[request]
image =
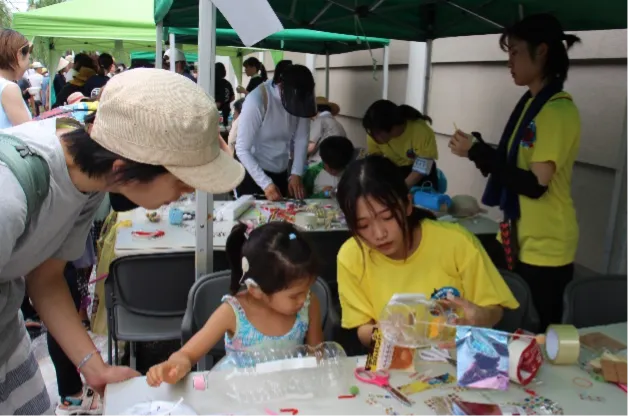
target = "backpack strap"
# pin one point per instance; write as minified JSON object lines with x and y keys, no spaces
{"x":264,"y":96}
{"x":29,"y":168}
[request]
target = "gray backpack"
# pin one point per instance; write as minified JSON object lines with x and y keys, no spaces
{"x":29,"y":168}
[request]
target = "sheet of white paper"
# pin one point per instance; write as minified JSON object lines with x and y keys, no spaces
{"x":253,"y":20}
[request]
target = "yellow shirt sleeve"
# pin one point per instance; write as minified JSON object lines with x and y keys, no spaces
{"x":482,"y":283}
{"x":425,"y":143}
{"x":371,"y":146}
{"x":356,"y":308}
{"x":556,"y":124}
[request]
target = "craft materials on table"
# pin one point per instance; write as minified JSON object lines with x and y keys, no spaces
{"x":525,"y":358}
{"x":232,"y":211}
{"x":426,"y":384}
{"x":176,"y":216}
{"x":384,"y":355}
{"x":153,"y":216}
{"x":539,"y":405}
{"x":562,"y":344}
{"x":381,"y":378}
{"x":148,"y":234}
{"x":482,"y":358}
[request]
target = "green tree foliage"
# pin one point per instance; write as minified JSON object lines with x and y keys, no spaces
{"x":5,"y":14}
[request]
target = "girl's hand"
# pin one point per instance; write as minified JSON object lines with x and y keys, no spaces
{"x":473,"y":314}
{"x":241,"y":90}
{"x":460,"y":143}
{"x":170,"y":371}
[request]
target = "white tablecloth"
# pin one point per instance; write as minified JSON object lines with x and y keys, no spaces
{"x":179,"y":238}
{"x":556,"y":384}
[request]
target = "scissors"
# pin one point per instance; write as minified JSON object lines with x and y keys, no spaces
{"x":380,"y":378}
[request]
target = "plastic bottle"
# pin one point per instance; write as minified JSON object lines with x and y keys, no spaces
{"x":276,"y":373}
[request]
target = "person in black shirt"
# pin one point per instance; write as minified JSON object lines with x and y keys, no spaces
{"x":60,"y":76}
{"x":93,"y":86}
{"x":85,"y":67}
{"x":257,"y":73}
{"x":224,"y":93}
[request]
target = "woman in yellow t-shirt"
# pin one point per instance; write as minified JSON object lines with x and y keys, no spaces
{"x":403,"y":135}
{"x":397,"y":248}
{"x":532,"y":168}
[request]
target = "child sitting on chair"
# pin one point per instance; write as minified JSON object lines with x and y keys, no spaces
{"x":321,"y":179}
{"x":272,"y":270}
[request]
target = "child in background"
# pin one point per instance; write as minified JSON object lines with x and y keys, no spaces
{"x":272,"y":270}
{"x":321,"y":179}
{"x":397,"y":248}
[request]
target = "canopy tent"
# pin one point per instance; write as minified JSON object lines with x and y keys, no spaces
{"x":413,"y":20}
{"x":294,"y":40}
{"x":82,"y":24}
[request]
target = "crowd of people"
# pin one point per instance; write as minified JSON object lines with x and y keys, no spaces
{"x":284,"y":141}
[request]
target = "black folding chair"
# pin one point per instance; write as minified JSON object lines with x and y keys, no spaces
{"x":525,"y":316}
{"x":146,"y":297}
{"x":594,"y":301}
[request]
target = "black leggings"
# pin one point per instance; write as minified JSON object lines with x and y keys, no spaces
{"x":68,"y":379}
{"x":547,"y":285}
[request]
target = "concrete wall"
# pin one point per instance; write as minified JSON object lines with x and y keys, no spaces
{"x":471,"y":87}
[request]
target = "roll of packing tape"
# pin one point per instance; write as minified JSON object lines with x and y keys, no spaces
{"x":562,"y":344}
{"x":525,"y":360}
{"x":306,"y":220}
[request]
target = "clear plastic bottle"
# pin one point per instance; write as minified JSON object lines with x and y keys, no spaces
{"x":278,"y":372}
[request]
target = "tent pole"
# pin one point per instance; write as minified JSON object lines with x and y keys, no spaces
{"x":172,"y":52}
{"x":51,"y":73}
{"x":385,"y":66}
{"x":158,"y":61}
{"x":616,"y":259}
{"x":327,"y":75}
{"x":427,"y":77}
{"x":204,"y":201}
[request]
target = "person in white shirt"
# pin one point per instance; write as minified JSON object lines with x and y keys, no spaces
{"x":273,"y":115}
{"x":323,"y":126}
{"x":36,"y":79}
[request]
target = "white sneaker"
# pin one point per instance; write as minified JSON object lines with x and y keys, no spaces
{"x":88,"y":404}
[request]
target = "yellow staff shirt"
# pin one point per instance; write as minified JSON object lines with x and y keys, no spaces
{"x":449,"y":259}
{"x":547,"y":229}
{"x":418,"y":140}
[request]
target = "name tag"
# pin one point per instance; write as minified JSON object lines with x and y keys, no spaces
{"x":423,"y":165}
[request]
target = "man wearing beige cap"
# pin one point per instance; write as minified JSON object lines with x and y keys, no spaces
{"x":53,"y":181}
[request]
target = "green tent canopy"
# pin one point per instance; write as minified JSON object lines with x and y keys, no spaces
{"x":413,"y":20}
{"x":91,"y":24}
{"x":294,"y":40}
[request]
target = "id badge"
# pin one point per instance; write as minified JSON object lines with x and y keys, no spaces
{"x":423,"y":165}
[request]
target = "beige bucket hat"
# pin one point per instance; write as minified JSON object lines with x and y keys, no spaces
{"x":159,"y":117}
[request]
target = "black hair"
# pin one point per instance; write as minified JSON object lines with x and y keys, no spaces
{"x":299,"y":77}
{"x":383,"y":115}
{"x":220,"y":71}
{"x":323,"y":108}
{"x":277,"y":254}
{"x":238,"y":104}
{"x":278,"y":70}
{"x":105,"y":62}
{"x":84,"y":60}
{"x":379,"y":178}
{"x":253,"y":62}
{"x":336,"y":152}
{"x":96,"y":161}
{"x":540,"y":29}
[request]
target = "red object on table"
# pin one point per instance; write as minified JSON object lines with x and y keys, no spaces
{"x":292,"y":410}
{"x":530,"y":361}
